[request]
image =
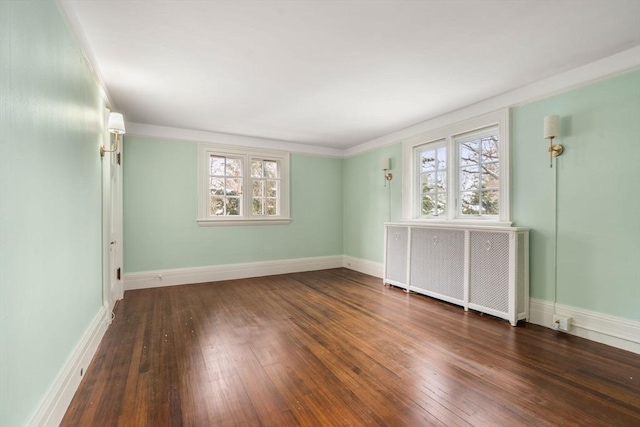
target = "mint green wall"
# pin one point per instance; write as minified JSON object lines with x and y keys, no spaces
{"x":368,"y":203}
{"x":50,"y":202}
{"x":598,"y":195}
{"x":160,"y":210}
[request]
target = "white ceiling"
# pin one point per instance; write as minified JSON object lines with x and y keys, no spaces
{"x":334,"y":73}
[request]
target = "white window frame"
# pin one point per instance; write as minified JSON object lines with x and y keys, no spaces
{"x":205,"y":151}
{"x":411,"y":200}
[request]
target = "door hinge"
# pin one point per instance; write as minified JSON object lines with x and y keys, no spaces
{"x":118,"y":273}
{"x":118,"y":158}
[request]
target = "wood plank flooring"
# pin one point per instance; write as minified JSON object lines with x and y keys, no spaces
{"x":336,"y":348}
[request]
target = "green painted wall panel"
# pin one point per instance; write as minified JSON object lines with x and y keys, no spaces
{"x":160,"y":211}
{"x":50,"y":202}
{"x":598,"y":180}
{"x":368,"y":203}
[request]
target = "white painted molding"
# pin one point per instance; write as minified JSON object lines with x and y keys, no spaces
{"x":73,"y":24}
{"x":610,"y":330}
{"x":54,"y":404}
{"x":163,"y":132}
{"x":214,"y":273}
{"x":619,"y":63}
{"x":365,"y":266}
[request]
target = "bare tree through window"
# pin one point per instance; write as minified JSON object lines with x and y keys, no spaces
{"x":480,"y":175}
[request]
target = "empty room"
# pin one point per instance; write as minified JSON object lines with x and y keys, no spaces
{"x":319,"y":213}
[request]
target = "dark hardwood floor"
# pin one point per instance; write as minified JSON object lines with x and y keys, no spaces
{"x":336,"y":348}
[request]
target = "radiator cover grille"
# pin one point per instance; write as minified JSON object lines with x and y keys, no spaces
{"x":437,"y":261}
{"x":489,"y":270}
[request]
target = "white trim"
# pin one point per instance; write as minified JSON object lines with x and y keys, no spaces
{"x":214,"y":273}
{"x":73,"y":23}
{"x":365,"y":266}
{"x":55,"y":402}
{"x":610,"y":330}
{"x":239,"y":221}
{"x":449,"y":135}
{"x":189,"y":135}
{"x":246,"y":217}
{"x":619,"y":63}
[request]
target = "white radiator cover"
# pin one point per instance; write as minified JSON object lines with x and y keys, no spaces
{"x":480,"y":268}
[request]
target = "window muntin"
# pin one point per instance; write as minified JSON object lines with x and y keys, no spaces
{"x":479,"y":179}
{"x":242,"y":186}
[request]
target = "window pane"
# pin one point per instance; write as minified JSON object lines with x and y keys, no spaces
{"x":470,"y":153}
{"x":258,"y":188}
{"x":256,"y":169}
{"x":490,"y":151}
{"x":258,"y":206}
{"x":428,"y":160}
{"x":216,"y":165}
{"x":217,"y":186}
{"x":233,"y":206}
{"x":480,"y":176}
{"x":428,"y":182}
{"x":490,"y":203}
{"x":271,"y":169}
{"x":490,"y":175}
{"x":428,"y":205}
{"x":470,"y":178}
{"x":216,"y":206}
{"x":442,"y":181}
{"x":272,"y":207}
{"x":470,"y":204}
{"x":442,"y":204}
{"x":234,"y":167}
{"x":234,"y":187}
{"x":442,"y":158}
{"x":272,"y":188}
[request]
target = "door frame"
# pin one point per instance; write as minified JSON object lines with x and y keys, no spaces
{"x":112,"y":233}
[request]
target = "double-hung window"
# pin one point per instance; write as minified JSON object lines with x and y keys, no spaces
{"x":459,"y":173}
{"x":242,"y":186}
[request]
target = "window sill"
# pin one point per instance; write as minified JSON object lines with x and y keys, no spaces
{"x":239,"y":221}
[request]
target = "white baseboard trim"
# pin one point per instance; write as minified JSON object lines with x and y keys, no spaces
{"x":214,"y":273}
{"x":363,"y":266}
{"x":54,"y":404}
{"x":610,"y":330}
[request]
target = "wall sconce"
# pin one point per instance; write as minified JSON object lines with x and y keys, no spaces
{"x":551,"y":130}
{"x":116,"y":127}
{"x":386,"y":165}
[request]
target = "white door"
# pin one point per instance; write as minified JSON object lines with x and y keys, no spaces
{"x":113,"y":289}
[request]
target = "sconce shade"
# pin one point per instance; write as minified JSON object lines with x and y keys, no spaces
{"x":385,"y":163}
{"x":116,"y":123}
{"x":551,"y":126}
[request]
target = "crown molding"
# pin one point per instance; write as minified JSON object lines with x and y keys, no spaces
{"x":625,"y":61}
{"x":162,"y":132}
{"x":75,"y":28}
